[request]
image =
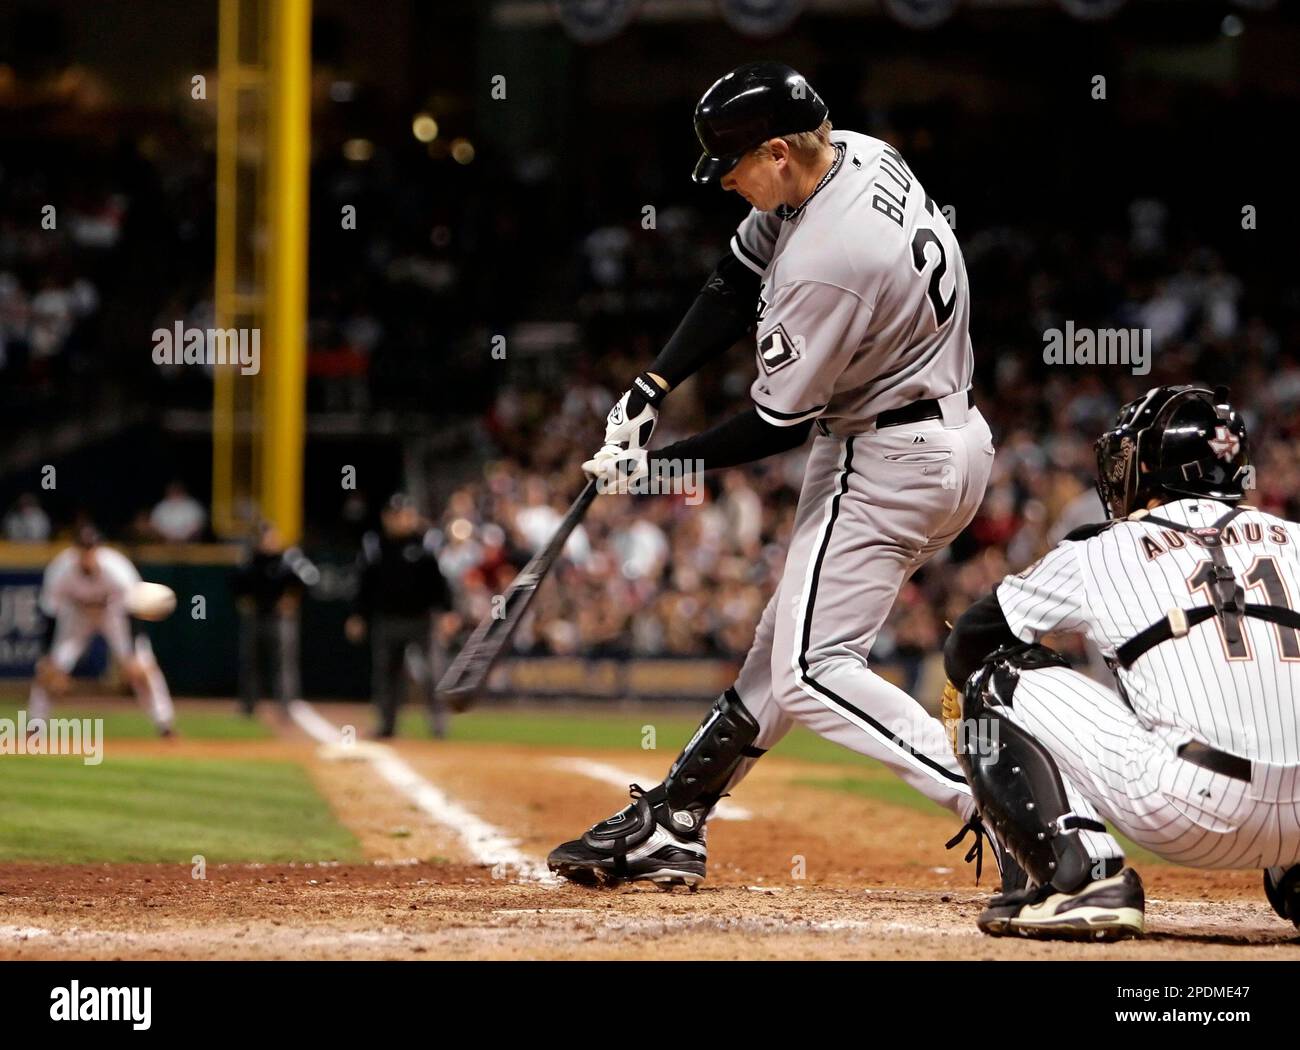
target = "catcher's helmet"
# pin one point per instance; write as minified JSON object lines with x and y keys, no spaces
{"x":751,"y":104}
{"x":1173,"y":442}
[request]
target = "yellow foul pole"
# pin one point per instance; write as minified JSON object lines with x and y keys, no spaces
{"x":284,"y":351}
{"x":223,"y":396}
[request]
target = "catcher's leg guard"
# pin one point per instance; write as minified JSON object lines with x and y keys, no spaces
{"x":660,"y":836}
{"x":1014,"y":779}
{"x":1282,"y":888}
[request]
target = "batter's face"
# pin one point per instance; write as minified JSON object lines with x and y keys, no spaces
{"x":763,"y":176}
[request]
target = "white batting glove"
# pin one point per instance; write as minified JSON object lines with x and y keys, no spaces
{"x":631,"y":422}
{"x":615,"y":469}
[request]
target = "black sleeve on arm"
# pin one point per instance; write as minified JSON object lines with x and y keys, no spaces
{"x":741,"y":439}
{"x":721,"y":314}
{"x":980,"y":630}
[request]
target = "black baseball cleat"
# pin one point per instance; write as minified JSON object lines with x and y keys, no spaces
{"x":645,"y":842}
{"x":1103,"y":910}
{"x":1282,"y":888}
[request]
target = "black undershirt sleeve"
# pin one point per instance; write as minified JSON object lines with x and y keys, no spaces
{"x":722,"y":313}
{"x":741,"y":439}
{"x":979,"y":631}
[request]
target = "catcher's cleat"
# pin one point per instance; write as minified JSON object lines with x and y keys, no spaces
{"x":1103,"y":910}
{"x":645,"y":842}
{"x":1282,"y":888}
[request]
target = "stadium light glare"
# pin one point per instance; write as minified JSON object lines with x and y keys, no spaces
{"x":462,"y":151}
{"x":359,"y":150}
{"x":424,"y":128}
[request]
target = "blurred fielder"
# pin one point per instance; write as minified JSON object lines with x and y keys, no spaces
{"x":84,"y":594}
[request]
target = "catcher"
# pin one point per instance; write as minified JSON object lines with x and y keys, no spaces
{"x":1195,"y":754}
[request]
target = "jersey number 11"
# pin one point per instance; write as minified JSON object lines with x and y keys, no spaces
{"x":1263,"y":573}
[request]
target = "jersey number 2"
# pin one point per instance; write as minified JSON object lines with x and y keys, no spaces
{"x":921,"y":240}
{"x":1263,"y":573}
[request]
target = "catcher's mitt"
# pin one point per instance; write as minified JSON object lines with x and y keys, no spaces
{"x":950,"y":713}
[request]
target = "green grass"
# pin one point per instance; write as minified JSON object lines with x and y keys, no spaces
{"x":130,"y":723}
{"x":1135,"y":853}
{"x":164,"y":810}
{"x":880,"y":785}
{"x":624,"y":729}
{"x":608,"y":730}
{"x":58,"y":809}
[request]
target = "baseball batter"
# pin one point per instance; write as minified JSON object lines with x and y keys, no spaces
{"x":1190,"y":595}
{"x":855,"y":287}
{"x":83,"y":594}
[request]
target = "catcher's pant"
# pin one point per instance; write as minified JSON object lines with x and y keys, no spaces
{"x":874,"y":508}
{"x":1134,"y":778}
{"x":74,"y":630}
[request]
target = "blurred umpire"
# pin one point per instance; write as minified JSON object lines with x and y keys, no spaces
{"x":400,"y":590}
{"x":269,"y":586}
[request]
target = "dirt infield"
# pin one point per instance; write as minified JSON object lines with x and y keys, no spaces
{"x":798,"y":870}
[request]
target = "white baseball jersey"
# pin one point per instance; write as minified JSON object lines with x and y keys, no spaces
{"x":864,"y":308}
{"x":1242,"y":698}
{"x":66,"y":589}
{"x":84,"y":606}
{"x":864,"y":303}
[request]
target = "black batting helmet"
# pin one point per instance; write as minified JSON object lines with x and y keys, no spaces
{"x":1173,"y":442}
{"x":751,"y":104}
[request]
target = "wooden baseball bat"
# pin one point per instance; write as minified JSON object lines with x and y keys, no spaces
{"x":464,"y":680}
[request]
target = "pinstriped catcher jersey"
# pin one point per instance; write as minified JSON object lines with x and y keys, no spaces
{"x":864,"y":304}
{"x":1242,"y":697}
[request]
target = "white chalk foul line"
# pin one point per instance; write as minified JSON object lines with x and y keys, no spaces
{"x":484,"y":842}
{"x":314,"y":724}
{"x":22,"y":933}
{"x":621,"y":778}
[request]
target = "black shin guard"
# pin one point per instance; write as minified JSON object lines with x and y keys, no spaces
{"x":1014,"y":779}
{"x":701,"y":772}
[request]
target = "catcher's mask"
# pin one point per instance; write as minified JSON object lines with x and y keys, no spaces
{"x":1173,"y":442}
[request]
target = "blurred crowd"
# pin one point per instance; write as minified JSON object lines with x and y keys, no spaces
{"x":176,"y":518}
{"x":677,"y":575}
{"x":554,"y":249}
{"x":656,"y":575}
